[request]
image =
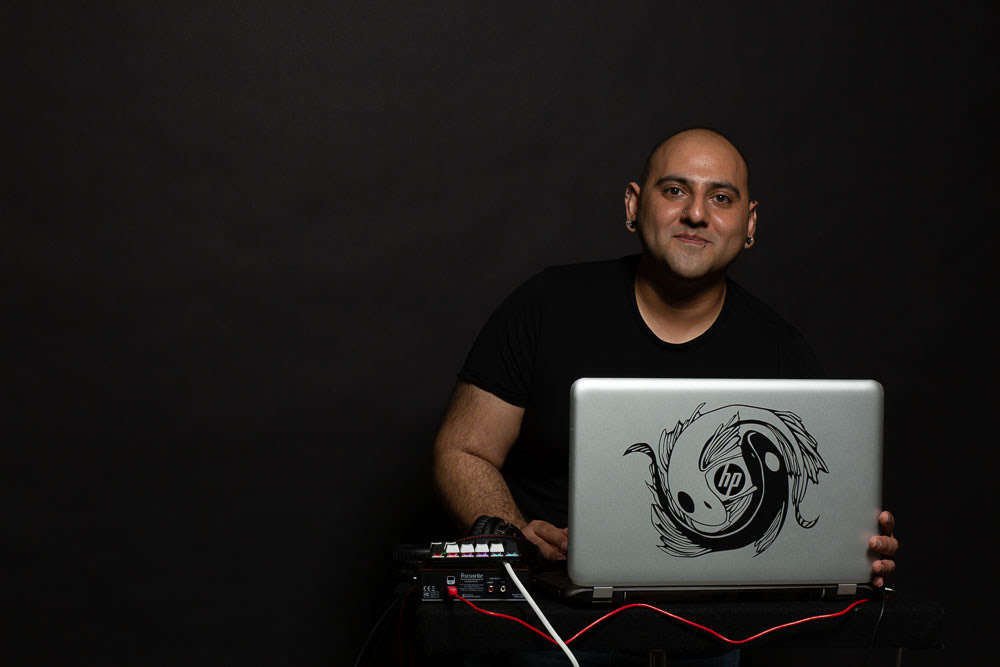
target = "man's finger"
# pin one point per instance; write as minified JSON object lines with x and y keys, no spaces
{"x":887,"y":546}
{"x":547,"y":551}
{"x":546,"y":531}
{"x":551,"y":534}
{"x":887,"y":523}
{"x":885,"y":567}
{"x":547,"y":538}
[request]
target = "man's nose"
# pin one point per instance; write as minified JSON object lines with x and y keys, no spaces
{"x":694,"y":214}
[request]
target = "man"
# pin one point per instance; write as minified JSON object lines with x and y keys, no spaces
{"x":670,"y":312}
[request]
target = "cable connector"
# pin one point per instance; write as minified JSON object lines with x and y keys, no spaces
{"x":453,"y":592}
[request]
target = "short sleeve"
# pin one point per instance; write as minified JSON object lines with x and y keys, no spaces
{"x":502,"y":358}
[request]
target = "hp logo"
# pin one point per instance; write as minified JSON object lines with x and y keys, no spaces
{"x":729,"y":480}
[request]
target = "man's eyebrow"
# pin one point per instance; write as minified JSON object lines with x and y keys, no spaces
{"x":712,"y":185}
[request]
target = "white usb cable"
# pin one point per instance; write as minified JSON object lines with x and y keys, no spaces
{"x":538,"y":612}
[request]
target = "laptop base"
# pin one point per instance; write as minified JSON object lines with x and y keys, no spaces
{"x":556,"y":583}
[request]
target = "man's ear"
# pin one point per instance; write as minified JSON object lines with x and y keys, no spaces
{"x":631,"y":202}
{"x":752,"y":221}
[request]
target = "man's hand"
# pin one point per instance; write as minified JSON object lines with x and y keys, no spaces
{"x":885,"y":545}
{"x":551,"y":541}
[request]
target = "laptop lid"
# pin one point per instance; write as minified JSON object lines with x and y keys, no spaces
{"x":707,"y":483}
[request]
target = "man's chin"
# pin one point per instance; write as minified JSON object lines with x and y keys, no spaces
{"x":688,"y":271}
{"x":688,"y":276}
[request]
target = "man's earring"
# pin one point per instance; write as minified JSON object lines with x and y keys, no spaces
{"x":749,"y":240}
{"x":630,"y":224}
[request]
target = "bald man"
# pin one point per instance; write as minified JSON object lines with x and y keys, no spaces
{"x":670,"y":311}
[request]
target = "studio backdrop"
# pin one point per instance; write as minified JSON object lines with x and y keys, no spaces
{"x":247,"y":246}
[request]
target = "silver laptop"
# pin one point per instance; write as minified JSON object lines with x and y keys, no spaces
{"x":702,"y":485}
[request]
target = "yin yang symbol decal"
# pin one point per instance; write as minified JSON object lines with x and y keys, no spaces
{"x":724,"y":479}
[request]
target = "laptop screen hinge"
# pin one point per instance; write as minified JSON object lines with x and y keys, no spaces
{"x":603,"y":593}
{"x":847,"y":590}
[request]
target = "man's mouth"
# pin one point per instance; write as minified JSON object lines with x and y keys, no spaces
{"x":691,"y":239}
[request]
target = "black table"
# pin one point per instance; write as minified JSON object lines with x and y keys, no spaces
{"x":450,"y":628}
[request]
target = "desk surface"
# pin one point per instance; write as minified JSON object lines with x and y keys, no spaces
{"x":454,"y":627}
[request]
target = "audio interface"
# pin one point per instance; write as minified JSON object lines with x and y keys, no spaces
{"x":475,"y":568}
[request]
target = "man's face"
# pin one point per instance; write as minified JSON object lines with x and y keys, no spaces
{"x":693,"y":214}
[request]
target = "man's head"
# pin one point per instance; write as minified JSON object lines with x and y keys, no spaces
{"x":692,"y":130}
{"x":692,"y":211}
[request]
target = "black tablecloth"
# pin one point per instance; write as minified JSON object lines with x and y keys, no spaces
{"x":453,"y":627}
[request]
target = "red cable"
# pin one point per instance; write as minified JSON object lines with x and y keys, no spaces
{"x":710,"y":630}
{"x":455,"y":595}
{"x":661,"y":611}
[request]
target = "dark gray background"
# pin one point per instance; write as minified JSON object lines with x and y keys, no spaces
{"x":246,"y":247}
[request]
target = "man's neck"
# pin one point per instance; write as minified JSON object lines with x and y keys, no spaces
{"x":675,"y":309}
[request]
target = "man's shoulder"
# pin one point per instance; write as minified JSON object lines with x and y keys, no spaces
{"x":761,"y":327}
{"x":752,"y":306}
{"x":559,"y":287}
{"x":578,"y":273}
{"x":577,"y":288}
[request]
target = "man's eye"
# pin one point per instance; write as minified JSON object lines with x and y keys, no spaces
{"x":722,"y":199}
{"x":672,"y":191}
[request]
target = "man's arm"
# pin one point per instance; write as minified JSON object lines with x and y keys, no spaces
{"x":475,"y":437}
{"x":472,"y":444}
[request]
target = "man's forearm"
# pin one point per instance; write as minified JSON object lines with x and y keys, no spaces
{"x":470,"y":487}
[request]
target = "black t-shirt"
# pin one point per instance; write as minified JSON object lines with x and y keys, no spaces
{"x":582,"y":320}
